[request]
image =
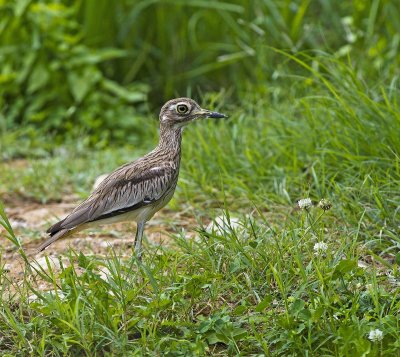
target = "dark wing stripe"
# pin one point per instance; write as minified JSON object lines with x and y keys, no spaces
{"x":122,"y":210}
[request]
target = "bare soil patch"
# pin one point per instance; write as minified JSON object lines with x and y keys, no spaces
{"x":30,"y":221}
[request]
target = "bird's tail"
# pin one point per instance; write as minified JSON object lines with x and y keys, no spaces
{"x":61,"y":233}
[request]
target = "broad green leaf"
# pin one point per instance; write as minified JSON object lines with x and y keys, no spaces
{"x":123,"y":93}
{"x":344,"y":266}
{"x":81,"y":83}
{"x":38,"y":78}
{"x":264,"y":303}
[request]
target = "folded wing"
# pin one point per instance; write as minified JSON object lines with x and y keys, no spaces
{"x":122,"y":191}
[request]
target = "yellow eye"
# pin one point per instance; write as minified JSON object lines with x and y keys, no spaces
{"x":182,"y":108}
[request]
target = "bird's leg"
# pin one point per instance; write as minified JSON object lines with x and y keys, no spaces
{"x":138,"y":240}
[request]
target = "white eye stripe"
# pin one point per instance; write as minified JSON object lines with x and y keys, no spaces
{"x":183,"y":103}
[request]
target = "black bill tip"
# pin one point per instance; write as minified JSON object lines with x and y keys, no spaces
{"x":216,"y":115}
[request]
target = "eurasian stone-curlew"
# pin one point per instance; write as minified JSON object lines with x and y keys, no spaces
{"x":137,"y":190}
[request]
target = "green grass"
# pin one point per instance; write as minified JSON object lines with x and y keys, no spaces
{"x":264,"y":291}
{"x":261,"y":289}
{"x":64,"y":71}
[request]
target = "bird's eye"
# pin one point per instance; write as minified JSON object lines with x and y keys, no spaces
{"x":182,"y":108}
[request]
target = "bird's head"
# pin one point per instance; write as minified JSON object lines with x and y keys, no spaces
{"x":181,"y":111}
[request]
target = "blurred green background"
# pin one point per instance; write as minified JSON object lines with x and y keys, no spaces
{"x":93,"y":68}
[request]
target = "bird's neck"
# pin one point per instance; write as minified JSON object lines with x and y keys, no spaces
{"x":170,"y":139}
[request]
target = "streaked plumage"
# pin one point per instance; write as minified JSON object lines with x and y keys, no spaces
{"x":137,"y":190}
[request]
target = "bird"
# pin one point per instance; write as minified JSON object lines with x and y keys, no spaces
{"x":139,"y":189}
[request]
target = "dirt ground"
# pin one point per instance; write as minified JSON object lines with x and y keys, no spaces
{"x":30,"y":221}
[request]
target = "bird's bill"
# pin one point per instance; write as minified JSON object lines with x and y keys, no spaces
{"x":209,"y":114}
{"x":216,"y":115}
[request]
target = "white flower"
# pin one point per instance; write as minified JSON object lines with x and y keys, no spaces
{"x":320,"y":248}
{"x":375,"y":335}
{"x":304,"y":203}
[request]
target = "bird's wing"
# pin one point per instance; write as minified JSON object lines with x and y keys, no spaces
{"x":122,"y":191}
